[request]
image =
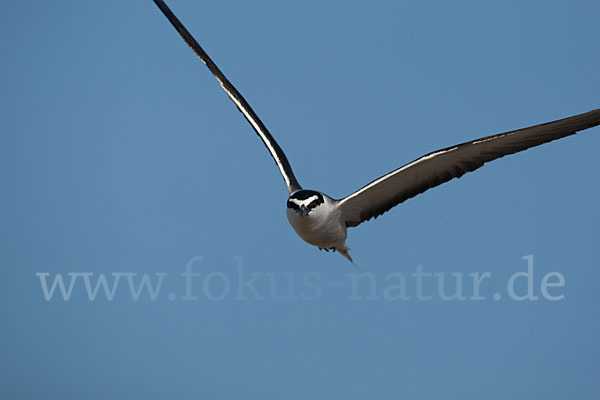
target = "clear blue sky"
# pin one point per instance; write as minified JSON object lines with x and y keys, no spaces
{"x":120,"y":153}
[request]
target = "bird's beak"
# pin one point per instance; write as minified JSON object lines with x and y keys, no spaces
{"x":303,"y":211}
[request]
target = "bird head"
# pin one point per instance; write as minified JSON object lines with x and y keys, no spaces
{"x":304,"y":201}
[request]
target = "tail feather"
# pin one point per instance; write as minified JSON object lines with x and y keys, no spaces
{"x":345,"y":251}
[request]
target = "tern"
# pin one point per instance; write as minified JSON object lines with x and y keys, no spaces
{"x":323,"y":221}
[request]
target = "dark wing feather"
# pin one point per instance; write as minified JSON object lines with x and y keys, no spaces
{"x":443,"y":165}
{"x":241,"y":103}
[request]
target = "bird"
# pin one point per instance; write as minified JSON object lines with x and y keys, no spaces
{"x":323,"y":221}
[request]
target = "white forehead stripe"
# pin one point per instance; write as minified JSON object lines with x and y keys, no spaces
{"x":305,"y":202}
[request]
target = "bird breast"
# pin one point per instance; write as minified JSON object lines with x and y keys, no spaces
{"x":322,"y":227}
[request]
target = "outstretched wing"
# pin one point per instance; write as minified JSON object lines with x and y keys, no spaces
{"x":241,"y":103}
{"x":443,"y":165}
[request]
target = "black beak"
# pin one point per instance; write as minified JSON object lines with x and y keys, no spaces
{"x":303,"y":211}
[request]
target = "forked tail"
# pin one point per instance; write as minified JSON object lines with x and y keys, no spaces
{"x":345,"y":251}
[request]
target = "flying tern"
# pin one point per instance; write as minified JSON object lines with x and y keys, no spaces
{"x":323,"y":221}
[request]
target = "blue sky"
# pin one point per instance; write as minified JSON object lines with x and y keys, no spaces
{"x":121,"y":154}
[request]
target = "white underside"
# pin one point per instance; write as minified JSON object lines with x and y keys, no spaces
{"x":322,"y":227}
